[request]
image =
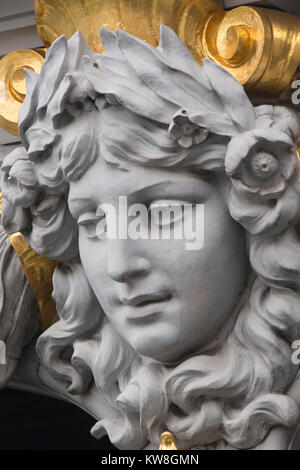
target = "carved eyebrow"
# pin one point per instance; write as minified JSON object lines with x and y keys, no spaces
{"x":194,"y":191}
{"x":172,"y":189}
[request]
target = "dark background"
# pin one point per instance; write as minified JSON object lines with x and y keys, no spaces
{"x":34,"y":422}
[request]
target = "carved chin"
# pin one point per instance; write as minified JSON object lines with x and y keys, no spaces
{"x":161,"y":346}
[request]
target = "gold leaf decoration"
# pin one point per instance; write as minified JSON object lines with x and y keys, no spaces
{"x":259,"y":47}
{"x":13,"y":85}
{"x":39,"y":272}
{"x":139,"y":17}
{"x":167,"y":441}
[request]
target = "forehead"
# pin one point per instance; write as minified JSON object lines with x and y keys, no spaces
{"x":104,"y":182}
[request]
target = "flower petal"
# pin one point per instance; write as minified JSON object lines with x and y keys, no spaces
{"x":185,"y":141}
{"x":200,"y":136}
{"x":282,"y":119}
{"x":264,"y":121}
{"x":287,"y":164}
{"x":237,"y":150}
{"x":175,"y":131}
{"x":273,"y":188}
{"x":246,"y":187}
{"x":272,"y":135}
{"x":181,"y":119}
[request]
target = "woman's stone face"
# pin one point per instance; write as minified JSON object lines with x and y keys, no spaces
{"x":166,"y":301}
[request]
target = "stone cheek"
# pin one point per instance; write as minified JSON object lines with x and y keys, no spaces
{"x":150,"y":336}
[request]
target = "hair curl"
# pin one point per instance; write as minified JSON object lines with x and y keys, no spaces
{"x":133,"y":99}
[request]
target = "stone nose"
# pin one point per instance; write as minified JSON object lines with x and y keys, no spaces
{"x":123,"y":264}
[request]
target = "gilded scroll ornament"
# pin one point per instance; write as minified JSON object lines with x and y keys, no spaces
{"x":13,"y":86}
{"x":139,"y":17}
{"x":259,"y":47}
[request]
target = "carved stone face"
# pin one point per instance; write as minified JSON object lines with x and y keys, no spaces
{"x":167,"y":302}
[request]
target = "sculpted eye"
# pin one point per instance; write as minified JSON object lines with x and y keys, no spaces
{"x":165,"y":212}
{"x":92,"y":224}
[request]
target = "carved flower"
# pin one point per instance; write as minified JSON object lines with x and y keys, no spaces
{"x":19,"y":181}
{"x":261,"y":161}
{"x":186,"y":132}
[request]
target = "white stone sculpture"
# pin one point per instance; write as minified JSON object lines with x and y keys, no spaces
{"x":19,"y":313}
{"x":152,"y":337}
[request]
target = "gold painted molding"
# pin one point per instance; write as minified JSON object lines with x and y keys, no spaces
{"x":39,"y":272}
{"x":167,"y":441}
{"x":139,"y":17}
{"x":260,"y":47}
{"x":13,"y":86}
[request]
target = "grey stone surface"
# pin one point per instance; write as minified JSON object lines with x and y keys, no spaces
{"x":6,"y":149}
{"x":19,"y":313}
{"x":290,"y":6}
{"x":152,"y":335}
{"x":17,"y":26}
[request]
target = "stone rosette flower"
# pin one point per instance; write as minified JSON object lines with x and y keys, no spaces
{"x":185,"y":131}
{"x":261,"y":162}
{"x":263,"y":165}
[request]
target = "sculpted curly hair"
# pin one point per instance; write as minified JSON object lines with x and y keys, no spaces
{"x":133,"y":99}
